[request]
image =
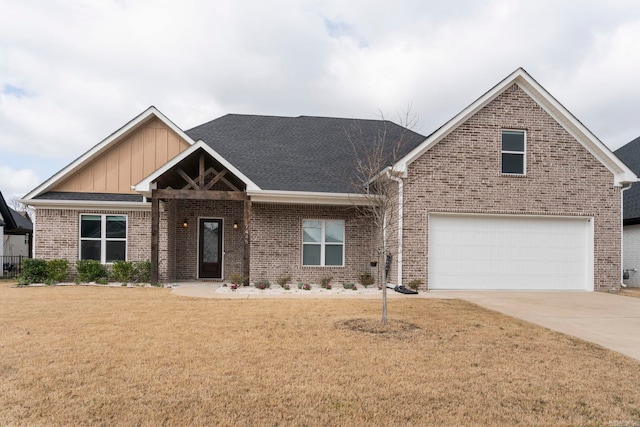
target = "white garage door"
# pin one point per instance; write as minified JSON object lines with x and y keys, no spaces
{"x":510,"y":252}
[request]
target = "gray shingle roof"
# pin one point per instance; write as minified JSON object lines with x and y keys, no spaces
{"x":301,"y":153}
{"x":630,"y":155}
{"x":14,"y":222}
{"x":22,"y":223}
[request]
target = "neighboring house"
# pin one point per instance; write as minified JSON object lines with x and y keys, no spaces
{"x":512,"y":193}
{"x":2,"y":225}
{"x":630,"y":155}
{"x":16,"y":231}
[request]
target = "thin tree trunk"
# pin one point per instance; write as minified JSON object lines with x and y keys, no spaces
{"x":384,"y":305}
{"x":382,"y":272}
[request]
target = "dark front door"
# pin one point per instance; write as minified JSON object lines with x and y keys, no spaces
{"x":210,"y":249}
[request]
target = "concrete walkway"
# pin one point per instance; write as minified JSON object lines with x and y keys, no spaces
{"x":611,"y":321}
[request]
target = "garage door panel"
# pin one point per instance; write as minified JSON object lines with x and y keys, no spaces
{"x":508,"y":252}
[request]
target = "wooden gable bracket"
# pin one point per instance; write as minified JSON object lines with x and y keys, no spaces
{"x":215,"y":179}
{"x":201,"y":171}
{"x":219,"y":176}
{"x":190,"y":183}
{"x":199,"y":182}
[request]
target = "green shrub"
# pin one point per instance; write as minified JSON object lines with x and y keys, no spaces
{"x":366,"y":279}
{"x":57,"y":270}
{"x":141,"y":272}
{"x":121,"y":271}
{"x":325,"y":281}
{"x":238,"y":279}
{"x":90,"y":270}
{"x":415,"y":284}
{"x":34,"y":270}
{"x":262,"y":284}
{"x":283,"y":280}
{"x":347,"y":285}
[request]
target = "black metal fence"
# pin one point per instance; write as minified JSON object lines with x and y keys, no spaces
{"x":11,"y":266}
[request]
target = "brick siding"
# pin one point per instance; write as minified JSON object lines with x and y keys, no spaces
{"x":276,"y":243}
{"x":57,"y":234}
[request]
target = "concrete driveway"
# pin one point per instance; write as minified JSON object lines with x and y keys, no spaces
{"x":611,"y":321}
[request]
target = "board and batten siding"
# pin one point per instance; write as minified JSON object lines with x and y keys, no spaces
{"x":128,"y":162}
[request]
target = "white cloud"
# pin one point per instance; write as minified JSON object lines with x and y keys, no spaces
{"x":604,"y":87}
{"x":16,"y":183}
{"x":78,"y":69}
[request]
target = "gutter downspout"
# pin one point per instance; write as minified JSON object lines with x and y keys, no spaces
{"x":400,"y":222}
{"x":624,"y":188}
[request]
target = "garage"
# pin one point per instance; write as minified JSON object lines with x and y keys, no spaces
{"x":510,"y":252}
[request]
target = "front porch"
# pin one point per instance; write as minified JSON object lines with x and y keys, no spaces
{"x":200,"y":218}
{"x":204,"y":240}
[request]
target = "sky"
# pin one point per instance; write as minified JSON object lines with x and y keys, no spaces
{"x":74,"y":71}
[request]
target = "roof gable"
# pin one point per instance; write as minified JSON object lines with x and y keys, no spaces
{"x":147,"y":184}
{"x":71,"y":177}
{"x":621,"y":173}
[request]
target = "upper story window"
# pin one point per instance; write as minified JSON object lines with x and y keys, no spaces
{"x":322,"y":242}
{"x":103,"y":237}
{"x":513,"y":152}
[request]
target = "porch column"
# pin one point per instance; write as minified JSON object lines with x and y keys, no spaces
{"x":246,"y":260}
{"x":155,"y":235}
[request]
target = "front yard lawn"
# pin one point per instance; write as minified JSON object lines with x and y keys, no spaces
{"x":141,"y":356}
{"x":630,"y":292}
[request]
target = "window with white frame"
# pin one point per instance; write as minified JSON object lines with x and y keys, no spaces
{"x":513,"y":152}
{"x":103,"y":237}
{"x":322,"y":242}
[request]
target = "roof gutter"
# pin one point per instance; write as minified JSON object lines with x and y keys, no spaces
{"x":625,"y":187}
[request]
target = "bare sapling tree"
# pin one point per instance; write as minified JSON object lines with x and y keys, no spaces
{"x":17,"y":206}
{"x":377,"y":150}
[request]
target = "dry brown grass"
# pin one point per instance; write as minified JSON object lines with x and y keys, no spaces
{"x":133,"y":356}
{"x":630,"y":292}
